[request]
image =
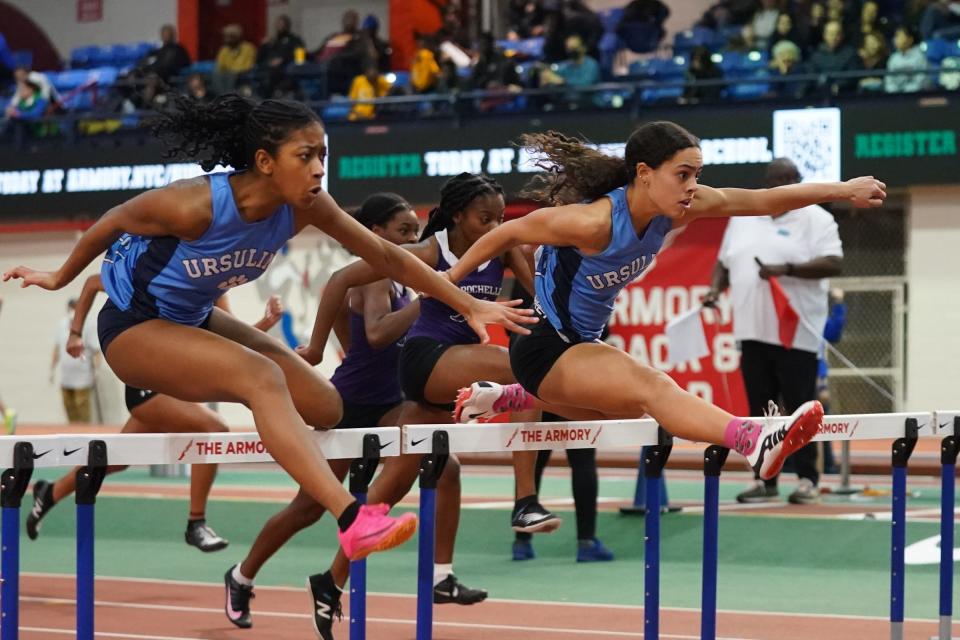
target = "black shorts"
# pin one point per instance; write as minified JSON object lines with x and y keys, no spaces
{"x":532,"y":356}
{"x":363,"y":416}
{"x":417,"y":359}
{"x":135,"y":397}
{"x":113,"y":321}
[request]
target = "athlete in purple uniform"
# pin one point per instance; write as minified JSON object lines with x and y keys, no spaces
{"x":379,"y":315}
{"x":439,"y":354}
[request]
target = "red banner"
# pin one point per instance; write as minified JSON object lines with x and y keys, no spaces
{"x":89,"y":10}
{"x":676,"y":282}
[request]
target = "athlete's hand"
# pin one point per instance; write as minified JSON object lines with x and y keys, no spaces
{"x":311,"y":355}
{"x":271,"y":314}
{"x":867,"y":192}
{"x":75,"y":345}
{"x":503,"y":313}
{"x":48,"y":280}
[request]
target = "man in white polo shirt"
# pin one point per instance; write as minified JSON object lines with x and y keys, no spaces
{"x":801,"y":249}
{"x":76,"y":374}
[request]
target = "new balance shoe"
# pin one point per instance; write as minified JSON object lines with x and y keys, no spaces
{"x":531,"y":517}
{"x":42,"y":503}
{"x":200,"y":535}
{"x":523,"y":550}
{"x":237,"y":606}
{"x":373,"y":530}
{"x":593,"y":551}
{"x":450,"y":590}
{"x":483,"y":401}
{"x":806,"y":493}
{"x":325,"y":603}
{"x":775,"y":442}
{"x":758,"y":493}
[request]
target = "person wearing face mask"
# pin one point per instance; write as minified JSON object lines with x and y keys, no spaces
{"x":578,"y":70}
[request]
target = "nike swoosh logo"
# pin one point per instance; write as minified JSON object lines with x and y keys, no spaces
{"x":944,"y":425}
{"x":385,"y":445}
{"x":414,"y":443}
{"x":40,"y":455}
{"x":70,"y":452}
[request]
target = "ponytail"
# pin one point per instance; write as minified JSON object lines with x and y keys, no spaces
{"x":455,"y":196}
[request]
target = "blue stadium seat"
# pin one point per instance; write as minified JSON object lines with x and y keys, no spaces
{"x":23,"y":58}
{"x":337,"y":110}
{"x":610,"y":18}
{"x":69,"y":80}
{"x":82,"y":57}
{"x":204,"y":67}
{"x":750,"y":90}
{"x":659,"y":94}
{"x":666,"y":70}
{"x":936,"y":49}
{"x":739,"y":64}
{"x":401,"y":79}
{"x":531,"y":48}
{"x":103,"y":76}
{"x":685,"y":41}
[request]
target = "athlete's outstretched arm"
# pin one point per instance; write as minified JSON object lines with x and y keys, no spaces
{"x":91,"y":287}
{"x":571,"y":225}
{"x":161,"y":212}
{"x":708,"y":202}
{"x":356,"y":274}
{"x":382,"y":325}
{"x":391,"y":261}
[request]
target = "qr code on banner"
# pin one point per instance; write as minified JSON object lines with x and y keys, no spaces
{"x":811,"y":138}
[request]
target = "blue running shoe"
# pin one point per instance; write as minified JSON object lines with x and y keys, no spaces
{"x":523,"y":550}
{"x":593,"y":551}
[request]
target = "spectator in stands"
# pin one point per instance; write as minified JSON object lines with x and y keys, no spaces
{"x":745,"y":42}
{"x":578,"y":70}
{"x":236,"y":56}
{"x":346,"y":54}
{"x":169,"y":59}
{"x":493,"y":69}
{"x":907,"y":57}
{"x":23,"y":113}
{"x":764,"y":21}
{"x":153,"y":95}
{"x":702,"y":68}
{"x":371,"y":28}
{"x":809,"y":25}
{"x":274,"y":55}
{"x":197,"y":88}
{"x":649,"y":15}
{"x":785,"y":30}
{"x":873,"y":56}
{"x":424,"y":70}
{"x":941,"y":18}
{"x":369,"y":85}
{"x":872,"y":22}
{"x":449,"y":79}
{"x":526,"y":19}
{"x":786,"y":60}
{"x":729,"y":12}
{"x":47,"y":90}
{"x":566,"y":18}
{"x":834,"y":56}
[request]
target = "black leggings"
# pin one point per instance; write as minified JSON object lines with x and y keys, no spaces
{"x":583,"y":476}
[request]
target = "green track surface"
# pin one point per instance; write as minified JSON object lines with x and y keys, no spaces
{"x":802,"y":565}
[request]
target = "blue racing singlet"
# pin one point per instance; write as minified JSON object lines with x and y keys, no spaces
{"x":179,"y":280}
{"x":576,"y":292}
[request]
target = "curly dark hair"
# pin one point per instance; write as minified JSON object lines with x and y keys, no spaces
{"x":229,"y":130}
{"x":379,"y":209}
{"x":455,"y":196}
{"x":577,"y":172}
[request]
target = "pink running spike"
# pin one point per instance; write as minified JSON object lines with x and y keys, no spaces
{"x":513,"y":398}
{"x":374,"y":530}
{"x":742,"y":436}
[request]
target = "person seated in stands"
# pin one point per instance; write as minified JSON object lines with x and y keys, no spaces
{"x":526,"y":19}
{"x":152,"y":95}
{"x":24,"y":111}
{"x":649,"y":12}
{"x":236,"y":56}
{"x":369,"y":85}
{"x":745,"y":42}
{"x":786,"y":30}
{"x":764,"y":21}
{"x":197,"y":88}
{"x":493,"y":69}
{"x":578,"y":70}
{"x":565,"y":18}
{"x":273,"y":57}
{"x":47,"y":90}
{"x":370,"y":28}
{"x":345,"y":53}
{"x":907,"y":57}
{"x":941,"y":18}
{"x":424,"y":70}
{"x":786,"y":60}
{"x":834,"y":56}
{"x":809,"y":25}
{"x":873,"y":56}
{"x":872,"y":22}
{"x":169,"y":59}
{"x":701,"y":68}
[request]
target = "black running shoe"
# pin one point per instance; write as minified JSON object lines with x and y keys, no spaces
{"x":237,"y":606}
{"x":531,"y":517}
{"x":42,"y":503}
{"x":325,"y":602}
{"x":201,"y":536}
{"x":451,"y":590}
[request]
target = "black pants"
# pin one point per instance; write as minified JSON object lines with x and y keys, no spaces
{"x":583,"y":476}
{"x":789,"y":378}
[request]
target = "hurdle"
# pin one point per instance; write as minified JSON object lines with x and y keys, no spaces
{"x":948,"y":426}
{"x":93,"y":454}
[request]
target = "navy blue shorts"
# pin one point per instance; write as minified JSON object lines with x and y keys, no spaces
{"x":113,"y":321}
{"x":363,"y":416}
{"x":418,"y":357}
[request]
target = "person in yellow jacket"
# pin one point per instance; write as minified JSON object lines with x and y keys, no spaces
{"x":368,"y":86}
{"x":424,"y":70}
{"x":236,"y":55}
